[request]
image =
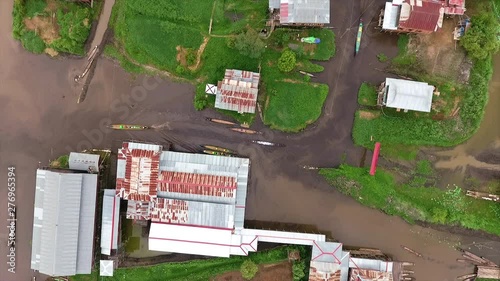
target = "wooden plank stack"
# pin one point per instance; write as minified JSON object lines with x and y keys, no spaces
{"x":485,"y":268}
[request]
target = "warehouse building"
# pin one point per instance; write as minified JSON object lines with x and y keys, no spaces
{"x":63,"y":224}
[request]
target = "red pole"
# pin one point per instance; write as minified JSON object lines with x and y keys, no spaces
{"x":376,"y":152}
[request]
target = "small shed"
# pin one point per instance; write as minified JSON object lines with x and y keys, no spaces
{"x":84,"y":161}
{"x":210,"y":89}
{"x":106,"y":268}
{"x":406,"y":95}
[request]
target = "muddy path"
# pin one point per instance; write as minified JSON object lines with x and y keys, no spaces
{"x":41,"y":120}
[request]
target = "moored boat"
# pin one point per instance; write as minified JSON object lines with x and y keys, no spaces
{"x":266,"y":143}
{"x":358,"y":38}
{"x":213,"y":152}
{"x":220,"y":121}
{"x":245,"y":131}
{"x":128,"y":127}
{"x":217,"y":148}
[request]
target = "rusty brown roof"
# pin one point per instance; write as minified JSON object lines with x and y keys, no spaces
{"x":424,"y":17}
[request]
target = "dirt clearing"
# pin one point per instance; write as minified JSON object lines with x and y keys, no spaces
{"x":45,"y":27}
{"x":183,"y":54}
{"x":440,"y":54}
{"x":369,"y":115}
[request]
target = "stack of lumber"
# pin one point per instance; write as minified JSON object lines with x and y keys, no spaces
{"x":484,"y":267}
{"x":483,"y":195}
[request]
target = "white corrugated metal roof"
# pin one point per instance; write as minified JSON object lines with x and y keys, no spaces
{"x":56,"y":225}
{"x":307,"y":11}
{"x":110,"y":221}
{"x":408,"y":95}
{"x":391,"y":14}
{"x":371,"y":264}
{"x":86,"y":226}
{"x":189,"y":240}
{"x":83,"y":161}
{"x":274,"y":4}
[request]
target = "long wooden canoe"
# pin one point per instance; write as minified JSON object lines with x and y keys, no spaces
{"x":358,"y":38}
{"x":128,"y":127}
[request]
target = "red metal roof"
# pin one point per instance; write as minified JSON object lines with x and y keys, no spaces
{"x":424,"y":18}
{"x":190,"y":183}
{"x":170,"y":211}
{"x":284,"y":12}
{"x":141,"y":174}
{"x":460,"y":3}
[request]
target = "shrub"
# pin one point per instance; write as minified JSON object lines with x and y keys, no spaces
{"x":286,"y":62}
{"x":191,"y":56}
{"x":249,"y":44}
{"x":382,"y":57}
{"x":180,"y":70}
{"x":248,"y":269}
{"x":481,"y":39}
{"x":18,"y":14}
{"x":32,"y":42}
{"x":298,"y":270}
{"x":230,"y":42}
{"x":307,"y":78}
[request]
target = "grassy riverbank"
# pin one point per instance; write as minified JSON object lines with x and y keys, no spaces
{"x":413,"y":199}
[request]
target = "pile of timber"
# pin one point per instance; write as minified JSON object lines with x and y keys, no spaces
{"x":484,"y":267}
{"x":483,"y":195}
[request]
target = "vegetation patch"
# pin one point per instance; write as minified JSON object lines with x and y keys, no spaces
{"x":60,"y":163}
{"x":367,"y":95}
{"x":197,"y":270}
{"x":62,"y":26}
{"x":429,"y":204}
{"x":292,"y":106}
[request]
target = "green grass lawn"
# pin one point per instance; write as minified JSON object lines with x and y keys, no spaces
{"x":367,"y":95}
{"x":449,"y":207}
{"x":294,"y":105}
{"x":194,"y":270}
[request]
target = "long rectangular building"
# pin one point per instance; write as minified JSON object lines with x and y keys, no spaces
{"x":63,"y":224}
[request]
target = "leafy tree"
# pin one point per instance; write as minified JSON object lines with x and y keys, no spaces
{"x":481,"y":39}
{"x":298,"y":270}
{"x":248,"y":269}
{"x":249,"y":44}
{"x":74,"y":28}
{"x":286,"y":62}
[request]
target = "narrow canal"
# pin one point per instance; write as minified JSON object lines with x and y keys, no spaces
{"x":479,"y":151}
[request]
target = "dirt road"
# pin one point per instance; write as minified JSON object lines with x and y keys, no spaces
{"x":41,"y":121}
